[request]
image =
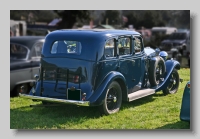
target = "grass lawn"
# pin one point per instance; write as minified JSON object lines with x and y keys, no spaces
{"x":152,"y":112}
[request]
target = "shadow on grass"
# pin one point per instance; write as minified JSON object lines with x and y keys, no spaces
{"x":177,"y":125}
{"x":138,"y":102}
{"x":58,"y":116}
{"x":50,"y":117}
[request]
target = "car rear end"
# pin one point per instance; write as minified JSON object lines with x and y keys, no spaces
{"x":67,"y":68}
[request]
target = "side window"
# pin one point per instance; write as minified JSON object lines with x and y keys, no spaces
{"x":18,"y":51}
{"x":137,"y":44}
{"x":124,"y":46}
{"x":109,"y":48}
{"x":37,"y":49}
{"x":65,"y":46}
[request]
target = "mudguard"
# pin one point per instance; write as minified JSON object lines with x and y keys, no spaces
{"x":99,"y":95}
{"x":185,"y":105}
{"x":170,"y":66}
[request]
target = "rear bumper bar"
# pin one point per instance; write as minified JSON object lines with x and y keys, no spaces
{"x":64,"y":101}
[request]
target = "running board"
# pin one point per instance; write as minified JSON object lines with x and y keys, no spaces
{"x":140,"y":94}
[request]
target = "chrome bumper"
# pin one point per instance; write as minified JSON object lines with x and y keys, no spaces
{"x":80,"y":103}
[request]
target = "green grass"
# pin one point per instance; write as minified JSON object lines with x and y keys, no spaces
{"x":152,"y":112}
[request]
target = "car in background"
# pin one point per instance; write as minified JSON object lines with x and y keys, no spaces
{"x":185,"y":105}
{"x":177,"y":44}
{"x":25,"y":54}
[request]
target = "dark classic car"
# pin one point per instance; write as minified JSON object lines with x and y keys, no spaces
{"x":25,"y":54}
{"x":177,"y":44}
{"x":101,"y":68}
{"x":185,"y":105}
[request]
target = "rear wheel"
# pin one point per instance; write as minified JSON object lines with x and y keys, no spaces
{"x":18,"y":89}
{"x":174,"y":83}
{"x":113,"y":99}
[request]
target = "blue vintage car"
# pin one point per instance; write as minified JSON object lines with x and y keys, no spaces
{"x":185,"y":105}
{"x":101,"y":68}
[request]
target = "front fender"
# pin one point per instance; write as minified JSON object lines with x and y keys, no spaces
{"x":99,"y":95}
{"x":170,"y":66}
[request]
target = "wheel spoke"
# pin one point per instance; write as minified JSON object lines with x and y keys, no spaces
{"x":173,"y":82}
{"x":111,"y":99}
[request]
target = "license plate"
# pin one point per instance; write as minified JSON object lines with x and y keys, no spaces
{"x":74,"y":94}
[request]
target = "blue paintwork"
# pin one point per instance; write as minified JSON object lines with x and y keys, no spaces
{"x":96,"y":70}
{"x":185,"y":104}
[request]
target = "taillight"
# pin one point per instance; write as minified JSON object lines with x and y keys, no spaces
{"x":188,"y":85}
{"x":76,"y":79}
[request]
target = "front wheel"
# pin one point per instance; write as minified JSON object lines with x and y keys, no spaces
{"x":172,"y":88}
{"x":113,"y":99}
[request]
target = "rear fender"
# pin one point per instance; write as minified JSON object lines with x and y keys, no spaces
{"x":170,"y":66}
{"x":99,"y":95}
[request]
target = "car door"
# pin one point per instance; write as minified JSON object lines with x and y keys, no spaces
{"x":110,"y":62}
{"x":35,"y":57}
{"x":130,"y":61}
{"x":138,"y":68}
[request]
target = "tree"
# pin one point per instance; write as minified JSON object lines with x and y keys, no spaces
{"x":70,"y":17}
{"x":38,"y":15}
{"x":111,"y":17}
{"x":144,"y":18}
{"x":182,"y":18}
{"x":132,"y":19}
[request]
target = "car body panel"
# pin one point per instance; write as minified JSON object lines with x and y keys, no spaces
{"x":185,"y":104}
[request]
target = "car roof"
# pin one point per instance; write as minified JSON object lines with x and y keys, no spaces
{"x":26,"y":40}
{"x":105,"y":33}
{"x":93,"y":39}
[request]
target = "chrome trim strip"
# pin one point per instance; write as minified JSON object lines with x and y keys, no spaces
{"x":80,"y":103}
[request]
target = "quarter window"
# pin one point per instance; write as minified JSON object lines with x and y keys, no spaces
{"x":137,"y":44}
{"x":66,"y":47}
{"x":109,"y":48}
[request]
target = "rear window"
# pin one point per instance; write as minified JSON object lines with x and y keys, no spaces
{"x":66,"y":47}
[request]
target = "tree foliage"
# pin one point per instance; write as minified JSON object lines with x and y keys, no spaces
{"x":137,"y":18}
{"x":151,"y":18}
{"x":145,"y":18}
{"x":112,"y":17}
{"x":37,"y":15}
{"x":70,"y":17}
